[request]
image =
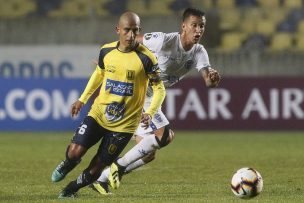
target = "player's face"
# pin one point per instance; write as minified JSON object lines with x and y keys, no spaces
{"x":127,"y":32}
{"x":193,"y":28}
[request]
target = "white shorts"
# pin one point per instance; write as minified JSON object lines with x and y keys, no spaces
{"x":159,"y":120}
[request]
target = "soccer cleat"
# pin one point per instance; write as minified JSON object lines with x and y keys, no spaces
{"x":67,"y":194}
{"x":61,"y":171}
{"x":101,"y":187}
{"x":116,"y":173}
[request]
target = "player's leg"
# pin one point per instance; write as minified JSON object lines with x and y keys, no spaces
{"x":111,"y":146}
{"x":83,"y":139}
{"x":163,"y":136}
{"x":114,"y":180}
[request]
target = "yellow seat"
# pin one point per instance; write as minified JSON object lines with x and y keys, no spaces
{"x":16,"y":8}
{"x":142,"y":8}
{"x":225,"y":4}
{"x":253,"y":14}
{"x":204,"y":5}
{"x":266,"y":27}
{"x":231,"y":41}
{"x":72,"y":8}
{"x":276,"y":15}
{"x":229,"y":19}
{"x":248,"y":26}
{"x":301,"y":27}
{"x":98,"y":7}
{"x":299,"y":42}
{"x":281,"y":42}
{"x":150,"y":8}
{"x":161,"y":7}
{"x":269,"y":3}
{"x":290,"y":4}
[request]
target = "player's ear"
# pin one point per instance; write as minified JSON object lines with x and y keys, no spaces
{"x":183,"y":26}
{"x":117,"y":29}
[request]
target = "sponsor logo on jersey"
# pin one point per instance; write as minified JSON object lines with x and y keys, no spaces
{"x":148,"y":36}
{"x":188,"y":64}
{"x":115,"y":111}
{"x":130,"y":74}
{"x":119,"y":88}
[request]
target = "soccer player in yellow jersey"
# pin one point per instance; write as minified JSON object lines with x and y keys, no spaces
{"x":124,"y":70}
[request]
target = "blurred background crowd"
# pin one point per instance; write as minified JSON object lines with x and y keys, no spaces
{"x":243,"y":37}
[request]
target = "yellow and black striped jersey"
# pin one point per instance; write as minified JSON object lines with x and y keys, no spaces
{"x":124,"y":77}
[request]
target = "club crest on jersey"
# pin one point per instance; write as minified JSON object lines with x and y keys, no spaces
{"x":130,"y":74}
{"x":112,"y":149}
{"x":119,"y":88}
{"x":110,"y":68}
{"x":115,"y":111}
{"x":188,"y":64}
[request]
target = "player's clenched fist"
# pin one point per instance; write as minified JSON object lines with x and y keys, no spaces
{"x":213,"y":78}
{"x":145,"y":120}
{"x":76,"y":107}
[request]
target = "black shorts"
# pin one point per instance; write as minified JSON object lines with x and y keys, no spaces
{"x":90,"y":132}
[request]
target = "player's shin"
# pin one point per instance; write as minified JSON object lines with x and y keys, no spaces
{"x":64,"y":167}
{"x":147,"y":145}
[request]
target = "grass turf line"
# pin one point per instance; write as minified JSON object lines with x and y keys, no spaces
{"x":196,"y":167}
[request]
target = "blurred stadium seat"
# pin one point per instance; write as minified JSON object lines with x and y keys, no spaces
{"x":150,"y":8}
{"x":225,"y":4}
{"x":281,"y":42}
{"x":266,"y":27}
{"x":291,"y":4}
{"x":229,"y":19}
{"x":299,"y":42}
{"x":98,"y":7}
{"x":16,"y":8}
{"x":251,"y":20}
{"x":272,"y":4}
{"x":205,"y":5}
{"x":231,"y":41}
{"x":71,"y":8}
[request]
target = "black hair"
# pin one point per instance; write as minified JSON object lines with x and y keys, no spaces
{"x":192,"y":12}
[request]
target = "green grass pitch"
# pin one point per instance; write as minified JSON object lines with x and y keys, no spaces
{"x":196,"y":167}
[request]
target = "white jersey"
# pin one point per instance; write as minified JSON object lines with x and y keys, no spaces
{"x":174,"y":62}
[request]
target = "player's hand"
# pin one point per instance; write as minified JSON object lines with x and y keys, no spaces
{"x":213,"y":78}
{"x":145,"y":120}
{"x":76,"y":107}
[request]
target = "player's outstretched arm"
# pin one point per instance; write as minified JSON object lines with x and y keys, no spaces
{"x":211,"y":77}
{"x":159,"y":94}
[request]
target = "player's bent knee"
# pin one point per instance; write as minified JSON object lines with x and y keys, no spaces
{"x":75,"y":151}
{"x":166,"y":138}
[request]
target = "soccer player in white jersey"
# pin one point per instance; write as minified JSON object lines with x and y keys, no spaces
{"x":177,"y":54}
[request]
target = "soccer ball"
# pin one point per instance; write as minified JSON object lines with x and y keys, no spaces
{"x":246,"y":183}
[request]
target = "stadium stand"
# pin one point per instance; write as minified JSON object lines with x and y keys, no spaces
{"x":251,"y":20}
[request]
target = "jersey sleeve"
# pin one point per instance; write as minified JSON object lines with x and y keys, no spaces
{"x":96,"y":78}
{"x":202,"y":59}
{"x":94,"y":82}
{"x":154,"y":41}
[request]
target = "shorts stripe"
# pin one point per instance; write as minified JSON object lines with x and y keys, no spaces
{"x":153,"y":126}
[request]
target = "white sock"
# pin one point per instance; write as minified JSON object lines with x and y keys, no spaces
{"x":104,"y":175}
{"x":134,"y":165}
{"x":144,"y":147}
